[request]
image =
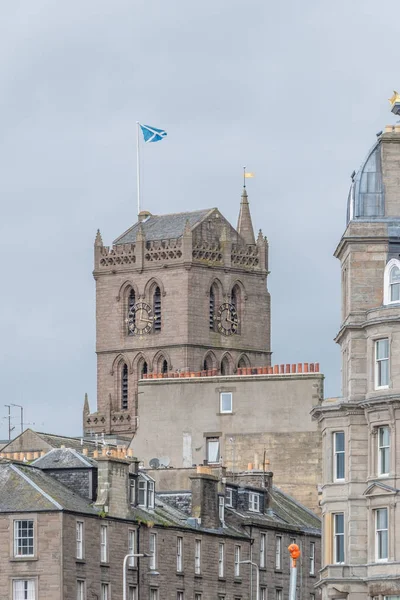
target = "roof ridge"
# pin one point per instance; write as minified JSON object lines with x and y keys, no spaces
{"x":36,"y":487}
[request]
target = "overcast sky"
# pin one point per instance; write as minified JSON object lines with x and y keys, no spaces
{"x":294,"y":90}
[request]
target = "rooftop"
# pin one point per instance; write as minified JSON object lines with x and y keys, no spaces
{"x":163,"y":227}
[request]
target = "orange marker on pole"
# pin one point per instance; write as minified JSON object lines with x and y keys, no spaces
{"x":294,"y":551}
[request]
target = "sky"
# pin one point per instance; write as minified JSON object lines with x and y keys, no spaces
{"x":296,"y":91}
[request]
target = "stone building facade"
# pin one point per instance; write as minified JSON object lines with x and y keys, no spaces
{"x":361,"y":430}
{"x":57,"y":544}
{"x":236,"y":420}
{"x":176,"y":293}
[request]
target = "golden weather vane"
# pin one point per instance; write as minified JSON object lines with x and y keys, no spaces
{"x":395,"y":103}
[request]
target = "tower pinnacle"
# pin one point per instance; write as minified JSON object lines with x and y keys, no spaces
{"x":245,"y":225}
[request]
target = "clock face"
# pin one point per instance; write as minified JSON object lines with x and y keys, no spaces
{"x":227,"y":319}
{"x":140,"y":319}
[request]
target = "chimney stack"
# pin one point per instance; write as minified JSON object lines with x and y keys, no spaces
{"x":205,"y":498}
{"x":113,"y":486}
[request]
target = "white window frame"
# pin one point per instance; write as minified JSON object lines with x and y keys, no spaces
{"x":209,"y":441}
{"x":132,"y":547}
{"x":221,"y":508}
{"x":29,"y":590}
{"x":132,"y":592}
{"x":132,"y":490}
{"x":197,"y":596}
{"x":153,"y":551}
{"x":383,"y":452}
{"x":237,"y":560}
{"x":337,"y":454}
{"x":312,"y":558}
{"x":225,"y":397}
{"x":336,"y":537}
{"x":221,"y":560}
{"x":142,"y":487}
{"x":254,"y":502}
{"x":197,"y":557}
{"x":103,"y":543}
{"x":278,"y":553}
{"x":179,"y":595}
{"x":79,"y":540}
{"x":387,"y":290}
{"x":278,"y":594}
{"x":153,"y":593}
{"x":80,"y":589}
{"x":150,"y":494}
{"x":105,"y":591}
{"x":263,"y":593}
{"x":229,"y":497}
{"x":378,"y":374}
{"x":379,"y":533}
{"x":18,"y":538}
{"x":179,"y":554}
{"x":263,"y":550}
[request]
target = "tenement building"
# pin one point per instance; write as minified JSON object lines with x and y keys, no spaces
{"x":69,"y":522}
{"x":361,"y":430}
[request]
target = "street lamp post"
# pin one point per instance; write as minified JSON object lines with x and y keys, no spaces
{"x":126,"y":558}
{"x":253,"y":564}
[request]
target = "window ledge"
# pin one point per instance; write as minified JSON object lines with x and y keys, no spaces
{"x":104,"y":564}
{"x":198,"y":576}
{"x":221,"y":578}
{"x":237,"y":580}
{"x":23,"y":559}
{"x":224,"y":414}
{"x":278,"y":570}
{"x":80,"y":561}
{"x":180,"y":573}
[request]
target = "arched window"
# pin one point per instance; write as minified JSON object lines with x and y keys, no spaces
{"x":131,"y":314}
{"x":225,"y":366}
{"x":157,"y":309}
{"x":212,"y":309}
{"x":124,"y":387}
{"x":209,"y":362}
{"x":164,"y":367}
{"x":142,"y":369}
{"x":243,"y":362}
{"x":391,"y":283}
{"x":394,"y":284}
{"x":236,"y":300}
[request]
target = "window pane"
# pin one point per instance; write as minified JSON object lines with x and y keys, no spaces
{"x":339,"y":523}
{"x":226,"y":402}
{"x":395,"y":275}
{"x":382,"y":349}
{"x":339,"y":441}
{"x":384,"y":436}
{"x":395,"y":292}
{"x":383,"y":372}
{"x":213,"y":451}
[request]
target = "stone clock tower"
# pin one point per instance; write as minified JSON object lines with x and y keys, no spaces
{"x":176,"y":293}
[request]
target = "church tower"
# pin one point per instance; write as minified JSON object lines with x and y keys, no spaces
{"x":176,"y":293}
{"x":361,"y":430}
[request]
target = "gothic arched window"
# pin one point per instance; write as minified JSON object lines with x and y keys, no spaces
{"x":243,"y":362}
{"x":131,"y":313}
{"x":164,"y":367}
{"x":157,"y":309}
{"x":124,"y":387}
{"x":142,"y":369}
{"x":225,"y":366}
{"x":236,"y":300}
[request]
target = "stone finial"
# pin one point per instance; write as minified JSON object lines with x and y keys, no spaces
{"x":140,"y":236}
{"x":260,"y":237}
{"x":225,"y":234}
{"x":98,"y":241}
{"x":86,"y":408}
{"x":188,"y":229}
{"x":245,"y":225}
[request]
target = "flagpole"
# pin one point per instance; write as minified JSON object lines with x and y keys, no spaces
{"x":138,"y":167}
{"x":244,"y":176}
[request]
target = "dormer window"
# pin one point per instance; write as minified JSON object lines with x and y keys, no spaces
{"x":391,"y":282}
{"x":146,"y":491}
{"x":229,"y":497}
{"x":254,"y":502}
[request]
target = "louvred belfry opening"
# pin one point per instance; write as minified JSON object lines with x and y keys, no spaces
{"x":124,"y":387}
{"x":212,"y":308}
{"x":157,"y":309}
{"x":131,"y":312}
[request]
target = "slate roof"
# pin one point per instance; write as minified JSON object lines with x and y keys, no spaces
{"x":163,"y":227}
{"x":64,"y":458}
{"x":56,"y":441}
{"x":27,"y":489}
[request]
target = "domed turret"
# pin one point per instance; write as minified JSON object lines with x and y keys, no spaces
{"x":372,"y":196}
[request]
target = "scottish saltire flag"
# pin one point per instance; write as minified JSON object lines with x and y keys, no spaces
{"x":152,"y":134}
